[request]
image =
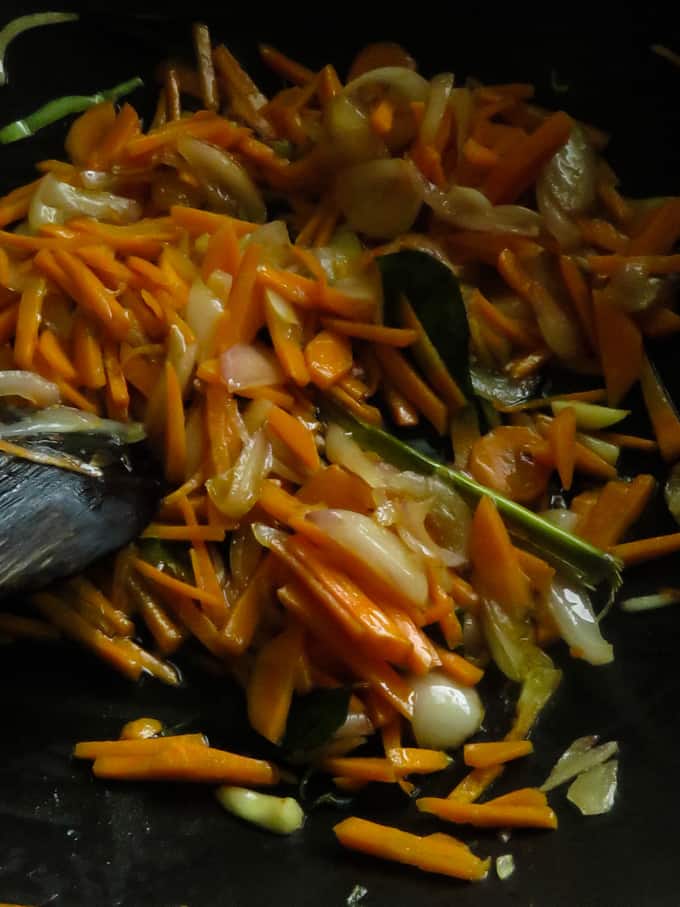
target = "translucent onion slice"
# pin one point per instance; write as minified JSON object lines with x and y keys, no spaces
{"x":274,"y":241}
{"x":651,"y":602}
{"x":402,"y":87}
{"x":590,"y":416}
{"x":381,"y":552}
{"x":380,"y":199}
{"x":64,"y":419}
{"x":505,"y":866}
{"x":182,"y":355}
{"x":411,"y":528}
{"x":445,"y":714}
{"x":440,"y":92}
{"x":577,"y":758}
{"x":204,"y":309}
{"x":571,"y":174}
{"x":55,"y":202}
{"x":350,"y":132}
{"x":228,"y":183}
{"x":245,"y":366}
{"x":594,"y":791}
{"x":605,"y":449}
{"x":557,"y":223}
{"x":342,"y":450}
{"x":573,"y":613}
{"x":469,"y":209}
{"x":28,"y":386}
{"x":236,"y":491}
{"x":672,"y":492}
{"x":280,"y":815}
{"x":561,"y":517}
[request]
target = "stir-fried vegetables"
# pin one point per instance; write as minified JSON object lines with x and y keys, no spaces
{"x":368,"y":500}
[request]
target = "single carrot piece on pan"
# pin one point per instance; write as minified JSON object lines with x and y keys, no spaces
{"x":482,"y":755}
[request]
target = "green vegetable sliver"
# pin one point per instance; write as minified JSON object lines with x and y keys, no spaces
{"x":23,"y":23}
{"x":60,"y":108}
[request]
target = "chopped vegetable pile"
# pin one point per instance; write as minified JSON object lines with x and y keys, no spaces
{"x":335,"y":312}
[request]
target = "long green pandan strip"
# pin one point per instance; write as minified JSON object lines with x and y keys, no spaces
{"x":60,"y":108}
{"x":23,"y":23}
{"x":572,"y":555}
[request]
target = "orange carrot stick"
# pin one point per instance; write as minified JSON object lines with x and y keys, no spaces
{"x":458,"y":668}
{"x":245,"y":315}
{"x":271,"y":684}
{"x":482,"y":755}
{"x":247,"y":611}
{"x":661,"y":411}
{"x":54,"y":354}
{"x":223,"y":251}
{"x":87,"y":355}
{"x":175,"y":432}
{"x":188,"y":762}
{"x":485,"y":815}
{"x":445,"y":855}
{"x":653,"y":264}
{"x":642,"y":550}
{"x":329,"y":358}
{"x":661,"y":232}
{"x":175,"y":585}
{"x":562,"y":436}
{"x":333,"y":486}
{"x":580,"y":296}
{"x":620,"y":344}
{"x":284,"y":66}
{"x":295,"y":435}
{"x":28,"y":321}
{"x":524,"y":796}
{"x":411,"y":385}
{"x":375,"y":333}
{"x":618,"y":507}
{"x":475,"y":783}
{"x":494,"y":559}
{"x":150,"y":746}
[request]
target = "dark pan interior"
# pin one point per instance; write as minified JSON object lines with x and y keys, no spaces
{"x":68,"y":840}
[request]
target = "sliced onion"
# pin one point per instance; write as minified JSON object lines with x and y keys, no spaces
{"x":445,"y":714}
{"x":268,"y":536}
{"x":55,"y":202}
{"x":412,"y":531}
{"x":357,"y":724}
{"x":571,"y":174}
{"x":28,"y":386}
{"x":380,"y":199}
{"x":343,"y":450}
{"x":631,"y":288}
{"x":651,"y":602}
{"x":573,"y":613}
{"x":505,"y":866}
{"x":219,"y":283}
{"x":581,"y":756}
{"x":182,"y":355}
{"x":203,"y":311}
{"x":590,"y":416}
{"x":604,"y":449}
{"x":65,"y":419}
{"x":440,"y":92}
{"x":469,"y":209}
{"x":236,"y":491}
{"x":561,"y":517}
{"x":274,"y":241}
{"x":594,"y":791}
{"x":557,"y":223}
{"x":245,"y":366}
{"x":380,"y":551}
{"x":245,"y":554}
{"x":402,"y":87}
{"x":350,"y":132}
{"x":558,"y":329}
{"x":227,"y":181}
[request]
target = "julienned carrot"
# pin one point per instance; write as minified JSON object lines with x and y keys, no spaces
{"x":197,"y":222}
{"x":54,"y":354}
{"x":411,"y":385}
{"x":473,"y":785}
{"x":184,"y":533}
{"x":459,"y":668}
{"x":602,"y":234}
{"x":482,"y":755}
{"x":87,"y":355}
{"x":411,"y":761}
{"x":175,"y":432}
{"x":524,"y":796}
{"x":93,"y":296}
{"x":489,"y":815}
{"x":580,"y":296}
{"x":620,"y":344}
{"x":270,"y":687}
{"x":382,"y":117}
{"x":286,"y":339}
{"x":223,"y":251}
{"x":310,"y":294}
{"x":375,"y":333}
{"x":649,"y":549}
{"x":585,"y":459}
{"x":364,"y":411}
{"x":188,"y":762}
{"x":434,"y":853}
{"x":562,"y":436}
{"x":494,"y":559}
{"x":661,"y":412}
{"x":381,"y":677}
{"x":72,"y":624}
{"x":151,"y":746}
{"x":18,"y":627}
{"x":333,"y":486}
{"x":284,"y":66}
{"x":428,"y":358}
{"x":175,"y":585}
{"x":660,"y":233}
{"x":166,"y":632}
{"x":618,"y":506}
{"x":247,"y":611}
{"x":96,"y":607}
{"x":518,"y":169}
{"x":28,"y":321}
{"x":632,"y":441}
{"x":295,"y":435}
{"x":246,"y":313}
{"x":514,"y":330}
{"x":506,"y":459}
{"x":328,"y":357}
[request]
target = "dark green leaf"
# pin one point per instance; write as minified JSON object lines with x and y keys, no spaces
{"x":171,"y":557}
{"x":569,"y":553}
{"x":433,"y":291}
{"x":314,"y":718}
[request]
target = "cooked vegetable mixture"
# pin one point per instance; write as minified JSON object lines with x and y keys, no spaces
{"x":338,"y":314}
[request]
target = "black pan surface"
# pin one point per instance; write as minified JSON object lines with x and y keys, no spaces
{"x":68,"y":840}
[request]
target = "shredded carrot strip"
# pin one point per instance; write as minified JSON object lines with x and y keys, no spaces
{"x":28,"y":322}
{"x":408,"y":382}
{"x":494,"y":559}
{"x":296,"y":435}
{"x":618,"y":507}
{"x":482,"y":755}
{"x":175,"y":438}
{"x":562,"y":435}
{"x":382,"y":117}
{"x":223,"y":252}
{"x":660,"y":233}
{"x":434,"y":853}
{"x":175,"y":585}
{"x":328,"y":357}
{"x":458,"y":668}
{"x":97,"y":749}
{"x":489,"y":815}
{"x":642,"y":550}
{"x":245,"y":315}
{"x":270,"y":687}
{"x":247,"y":611}
{"x":375,"y":333}
{"x":580,"y":296}
{"x":197,"y":222}
{"x":661,"y":411}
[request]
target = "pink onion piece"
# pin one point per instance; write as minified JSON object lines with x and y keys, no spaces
{"x":380,"y":551}
{"x":28,"y":386}
{"x":245,"y":366}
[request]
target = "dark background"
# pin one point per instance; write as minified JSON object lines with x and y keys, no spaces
{"x":70,"y":841}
